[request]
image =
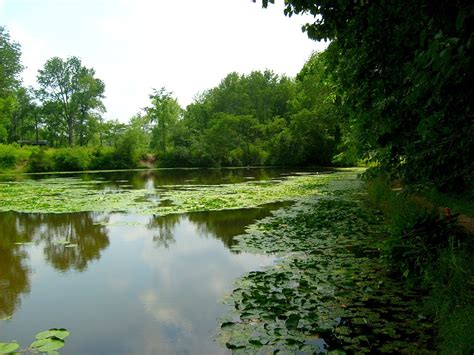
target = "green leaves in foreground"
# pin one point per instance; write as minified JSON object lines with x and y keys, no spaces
{"x":7,"y":348}
{"x":48,"y":341}
{"x":59,"y":333}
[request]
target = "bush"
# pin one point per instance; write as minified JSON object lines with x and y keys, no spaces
{"x":40,"y":161}
{"x":102,"y":159}
{"x":72,"y":159}
{"x":177,"y":157}
{"x":11,"y":155}
{"x":415,"y":243}
{"x":8,"y":156}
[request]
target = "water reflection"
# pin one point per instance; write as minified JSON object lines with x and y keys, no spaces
{"x":122,"y":283}
{"x":151,"y":179}
{"x":223,"y":225}
{"x":14,"y":279}
{"x":69,"y":241}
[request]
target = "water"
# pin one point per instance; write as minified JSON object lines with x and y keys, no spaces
{"x":125,"y":283}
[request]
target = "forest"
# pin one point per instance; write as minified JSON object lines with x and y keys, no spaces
{"x":391,"y":95}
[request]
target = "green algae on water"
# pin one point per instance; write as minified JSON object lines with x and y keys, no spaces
{"x":65,"y":195}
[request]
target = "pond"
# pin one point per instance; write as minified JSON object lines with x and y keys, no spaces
{"x":144,"y":273}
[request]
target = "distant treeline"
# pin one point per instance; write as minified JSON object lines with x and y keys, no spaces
{"x":256,"y":119}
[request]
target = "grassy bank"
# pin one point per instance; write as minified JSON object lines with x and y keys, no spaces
{"x":432,"y":253}
{"x":28,"y":159}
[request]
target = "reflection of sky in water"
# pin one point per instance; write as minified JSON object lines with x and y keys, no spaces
{"x":151,"y":287}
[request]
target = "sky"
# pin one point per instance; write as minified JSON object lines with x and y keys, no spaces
{"x":186,"y":46}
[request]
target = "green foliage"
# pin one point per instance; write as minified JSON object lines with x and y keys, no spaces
{"x":10,"y":65}
{"x":126,"y":154}
{"x":40,"y":160}
{"x":164,"y":114}
{"x":12,"y":155}
{"x":71,"y":97}
{"x":329,"y":290}
{"x":403,"y":72}
{"x":46,"y":342}
{"x":130,"y":148}
{"x":72,"y":159}
{"x":415,"y":242}
{"x":432,"y":252}
{"x":8,"y":156}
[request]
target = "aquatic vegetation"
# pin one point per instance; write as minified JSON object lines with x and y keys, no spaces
{"x":62,"y":195}
{"x":329,"y":290}
{"x":48,"y":341}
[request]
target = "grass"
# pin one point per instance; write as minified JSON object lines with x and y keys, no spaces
{"x":430,"y":251}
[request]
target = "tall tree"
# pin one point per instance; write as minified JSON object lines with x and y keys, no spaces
{"x":72,"y":89}
{"x":10,"y":65}
{"x":164,"y":113}
{"x":87,"y":101}
{"x":10,"y":68}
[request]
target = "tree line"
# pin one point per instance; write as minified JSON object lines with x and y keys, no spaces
{"x":259,"y":118}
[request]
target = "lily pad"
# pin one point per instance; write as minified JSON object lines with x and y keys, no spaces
{"x":47,"y":344}
{"x":7,"y":348}
{"x":60,"y":333}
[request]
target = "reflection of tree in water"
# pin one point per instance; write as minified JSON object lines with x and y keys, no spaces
{"x":227,"y":224}
{"x":14,"y":279}
{"x":38,"y":228}
{"x":223,"y":225}
{"x":79,"y":229}
{"x":14,"y":273}
{"x":165,"y":226}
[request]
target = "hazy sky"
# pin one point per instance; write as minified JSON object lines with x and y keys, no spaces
{"x":136,"y":45}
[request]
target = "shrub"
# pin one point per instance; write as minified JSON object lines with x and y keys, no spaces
{"x":8,"y":156}
{"x":102,"y":159}
{"x":177,"y":157}
{"x":40,"y":161}
{"x":72,"y":159}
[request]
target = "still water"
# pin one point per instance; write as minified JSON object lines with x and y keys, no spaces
{"x":125,"y":283}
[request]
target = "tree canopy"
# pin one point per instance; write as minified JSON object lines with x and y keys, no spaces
{"x":403,"y":71}
{"x":71,"y":94}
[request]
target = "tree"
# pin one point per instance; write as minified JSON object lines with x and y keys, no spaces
{"x":404,"y":71}
{"x":73,"y":91}
{"x":164,"y":113}
{"x":10,"y":68}
{"x":88,"y":105}
{"x":10,"y":65}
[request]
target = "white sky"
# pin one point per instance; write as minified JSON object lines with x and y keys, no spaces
{"x":187,"y":46}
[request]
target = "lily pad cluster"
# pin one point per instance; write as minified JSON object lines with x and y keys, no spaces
{"x":73,"y":195}
{"x":329,"y":291}
{"x":47,"y":342}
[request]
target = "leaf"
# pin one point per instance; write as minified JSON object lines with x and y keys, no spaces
{"x":7,"y":348}
{"x":227,"y":324}
{"x":292,"y":321}
{"x":47,"y":345}
{"x":60,"y":333}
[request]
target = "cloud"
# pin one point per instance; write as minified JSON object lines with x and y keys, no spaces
{"x":136,"y":45}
